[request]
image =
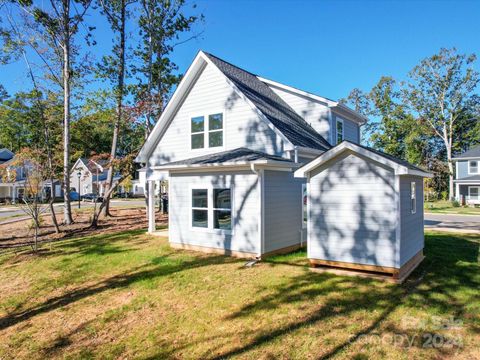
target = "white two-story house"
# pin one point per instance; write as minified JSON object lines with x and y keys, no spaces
{"x":229,"y":142}
{"x":467,"y":176}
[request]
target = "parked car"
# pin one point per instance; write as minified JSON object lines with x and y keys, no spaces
{"x":74,"y":196}
{"x":92,"y":197}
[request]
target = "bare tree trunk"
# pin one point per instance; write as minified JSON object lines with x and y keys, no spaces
{"x":96,"y":214}
{"x":120,"y":93}
{"x":66,"y":112}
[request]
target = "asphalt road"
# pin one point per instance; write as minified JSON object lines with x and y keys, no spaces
{"x":458,"y":222}
{"x":10,"y":212}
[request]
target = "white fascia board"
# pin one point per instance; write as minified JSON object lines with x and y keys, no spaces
{"x":467,"y":182}
{"x":294,"y":90}
{"x":237,"y":164}
{"x":350,"y":113}
{"x":346,"y":145}
{"x":163,"y":122}
{"x":466,"y":158}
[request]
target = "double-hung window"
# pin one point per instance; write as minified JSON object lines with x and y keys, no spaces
{"x":473,"y":167}
{"x":200,"y":208}
{"x":413,"y":197}
{"x":339,"y":131}
{"x":212,"y":208}
{"x":207,"y":133}
{"x":222,"y":209}
{"x":198,"y":132}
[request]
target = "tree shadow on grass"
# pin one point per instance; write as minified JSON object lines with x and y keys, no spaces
{"x":159,"y":267}
{"x":450,"y":268}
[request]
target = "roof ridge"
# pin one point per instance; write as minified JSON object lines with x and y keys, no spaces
{"x":277,"y":110}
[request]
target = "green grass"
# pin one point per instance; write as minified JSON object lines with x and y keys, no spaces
{"x":129,"y":295}
{"x":445,"y":207}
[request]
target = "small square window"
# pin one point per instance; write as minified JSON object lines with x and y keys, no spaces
{"x":215,"y":122}
{"x":198,"y":124}
{"x":198,"y":141}
{"x":215,"y":138}
{"x":200,"y":218}
{"x":473,"y":167}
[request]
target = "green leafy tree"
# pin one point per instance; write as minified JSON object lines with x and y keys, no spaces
{"x":163,"y":25}
{"x":441,"y":91}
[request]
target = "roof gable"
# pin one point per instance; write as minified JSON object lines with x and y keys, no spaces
{"x":279,"y":115}
{"x":400,"y":167}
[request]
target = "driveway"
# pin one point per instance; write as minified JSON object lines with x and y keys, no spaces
{"x":469,"y":223}
{"x":12,"y":213}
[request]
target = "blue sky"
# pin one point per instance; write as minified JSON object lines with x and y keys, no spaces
{"x":325,"y":47}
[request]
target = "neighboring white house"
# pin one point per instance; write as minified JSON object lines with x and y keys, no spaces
{"x":89,"y":176}
{"x":228,"y":143}
{"x":14,"y":190}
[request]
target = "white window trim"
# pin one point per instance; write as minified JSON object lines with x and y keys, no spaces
{"x":478,"y":191}
{"x":339,"y":120}
{"x":469,"y":169}
{"x":413,"y":196}
{"x":210,"y":229}
{"x":206,"y":130}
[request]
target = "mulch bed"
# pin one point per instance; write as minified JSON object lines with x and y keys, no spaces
{"x":20,"y":234}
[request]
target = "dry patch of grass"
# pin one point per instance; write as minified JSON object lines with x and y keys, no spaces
{"x":128,"y":295}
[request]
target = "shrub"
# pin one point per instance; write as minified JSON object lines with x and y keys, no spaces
{"x":444,"y":195}
{"x":455,"y":203}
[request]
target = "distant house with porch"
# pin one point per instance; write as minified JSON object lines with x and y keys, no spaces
{"x":14,"y":190}
{"x":467,"y":176}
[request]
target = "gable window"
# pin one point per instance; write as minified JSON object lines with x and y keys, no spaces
{"x":198,"y":132}
{"x":339,"y":131}
{"x":222,"y":211}
{"x":200,"y":208}
{"x":413,"y":197}
{"x":473,"y":167}
{"x":207,"y":133}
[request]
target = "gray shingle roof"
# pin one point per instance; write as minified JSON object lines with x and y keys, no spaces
{"x":236,"y":155}
{"x":470,"y":178}
{"x":280,"y":114}
{"x":472,"y":152}
{"x":5,"y":155}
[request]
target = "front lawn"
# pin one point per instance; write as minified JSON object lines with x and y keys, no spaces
{"x":445,"y":207}
{"x":128,"y":295}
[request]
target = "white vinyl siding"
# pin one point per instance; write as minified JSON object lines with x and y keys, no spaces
{"x":245,"y":207}
{"x":411,"y":230}
{"x":352,"y":212}
{"x":283,"y":210}
{"x":315,"y":113}
{"x":242,"y":126}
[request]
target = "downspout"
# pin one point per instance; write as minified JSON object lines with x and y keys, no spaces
{"x":261,"y":196}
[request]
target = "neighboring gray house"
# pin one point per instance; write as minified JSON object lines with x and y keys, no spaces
{"x":228,"y":143}
{"x":365,"y":210}
{"x":467,"y":176}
